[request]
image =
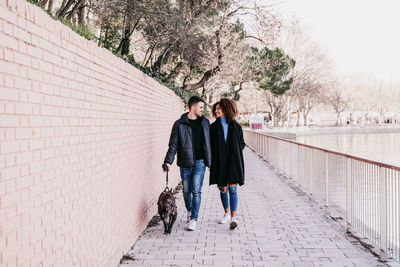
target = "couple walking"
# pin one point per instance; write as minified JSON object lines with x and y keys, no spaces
{"x":218,"y":147}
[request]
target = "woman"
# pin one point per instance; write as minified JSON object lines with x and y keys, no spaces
{"x":227,"y":165}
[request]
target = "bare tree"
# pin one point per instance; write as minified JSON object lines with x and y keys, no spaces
{"x":338,"y":101}
{"x":278,"y":106}
{"x":311,"y":73}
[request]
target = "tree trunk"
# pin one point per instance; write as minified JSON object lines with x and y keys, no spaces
{"x":157,"y":66}
{"x":75,"y":8}
{"x":277,"y":116}
{"x":100,"y":33}
{"x":298,"y":119}
{"x":105,"y":38}
{"x":50,"y":7}
{"x":175,"y":72}
{"x":43,"y":3}
{"x":203,"y":93}
{"x":275,"y":120}
{"x":305,"y":114}
{"x":128,"y":30}
{"x":126,"y":40}
{"x":64,"y":9}
{"x":236,"y":95}
{"x":210,"y":97}
{"x":81,"y":13}
{"x":61,"y":8}
{"x":337,"y":119}
{"x":150,"y":56}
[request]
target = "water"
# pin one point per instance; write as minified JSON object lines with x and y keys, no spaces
{"x":382,"y":147}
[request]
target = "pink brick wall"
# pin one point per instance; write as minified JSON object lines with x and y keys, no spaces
{"x":82,"y":138}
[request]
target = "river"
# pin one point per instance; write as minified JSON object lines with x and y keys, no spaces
{"x":382,"y":147}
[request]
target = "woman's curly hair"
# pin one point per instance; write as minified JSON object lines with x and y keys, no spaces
{"x":229,"y":108}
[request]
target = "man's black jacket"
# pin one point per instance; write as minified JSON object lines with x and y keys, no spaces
{"x":180,"y":142}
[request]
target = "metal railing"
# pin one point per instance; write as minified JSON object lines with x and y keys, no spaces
{"x":365,"y":193}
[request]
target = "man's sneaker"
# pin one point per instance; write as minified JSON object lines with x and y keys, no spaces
{"x":191,"y":225}
{"x":234,"y":223}
{"x":188,"y":216}
{"x":226,"y":218}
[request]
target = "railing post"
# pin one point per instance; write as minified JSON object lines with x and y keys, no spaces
{"x":294,"y":161}
{"x":275,"y":153}
{"x":253,"y":138}
{"x":278,"y":144}
{"x":383,"y":214}
{"x":298,"y":166}
{"x":288,"y":156}
{"x":291,"y":162}
{"x":280,"y":159}
{"x":349,"y":195}
{"x":311,"y":176}
{"x":273,"y":148}
{"x":263,"y":147}
{"x":257,"y":143}
{"x":326,"y":180}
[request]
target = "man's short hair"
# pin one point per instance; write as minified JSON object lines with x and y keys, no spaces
{"x":194,"y":100}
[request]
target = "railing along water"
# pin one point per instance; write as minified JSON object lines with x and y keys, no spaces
{"x":365,"y":193}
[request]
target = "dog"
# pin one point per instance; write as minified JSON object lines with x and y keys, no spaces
{"x":167,"y":210}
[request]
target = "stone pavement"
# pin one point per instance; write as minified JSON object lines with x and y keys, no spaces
{"x":278,"y":226}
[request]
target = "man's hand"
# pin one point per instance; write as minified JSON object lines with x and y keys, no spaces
{"x":168,"y":166}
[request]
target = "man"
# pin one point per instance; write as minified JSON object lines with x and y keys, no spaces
{"x":190,"y":139}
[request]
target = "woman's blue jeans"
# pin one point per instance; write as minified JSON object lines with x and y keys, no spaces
{"x":232,"y":200}
{"x":192,"y":182}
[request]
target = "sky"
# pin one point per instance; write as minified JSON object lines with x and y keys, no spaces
{"x":360,"y":37}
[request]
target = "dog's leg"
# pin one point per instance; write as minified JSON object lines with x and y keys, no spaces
{"x":165,"y":227}
{"x":169,"y":224}
{"x":172,"y":221}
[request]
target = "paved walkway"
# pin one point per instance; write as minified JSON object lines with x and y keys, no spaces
{"x":277,"y":227}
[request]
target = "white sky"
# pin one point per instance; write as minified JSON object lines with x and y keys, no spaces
{"x":360,"y":37}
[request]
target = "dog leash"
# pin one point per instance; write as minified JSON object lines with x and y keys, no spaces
{"x":165,"y":168}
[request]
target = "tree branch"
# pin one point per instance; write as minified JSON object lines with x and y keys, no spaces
{"x":209,"y":73}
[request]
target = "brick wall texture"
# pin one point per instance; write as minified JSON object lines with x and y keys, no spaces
{"x":82,"y":138}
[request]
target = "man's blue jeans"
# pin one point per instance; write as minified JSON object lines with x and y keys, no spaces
{"x":192,"y":182}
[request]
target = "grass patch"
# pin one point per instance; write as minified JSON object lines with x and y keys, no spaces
{"x":126,"y":257}
{"x":154,"y":221}
{"x":244,"y":123}
{"x":177,"y":189}
{"x":79,"y":29}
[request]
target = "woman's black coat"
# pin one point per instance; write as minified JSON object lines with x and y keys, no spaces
{"x":227,"y":165}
